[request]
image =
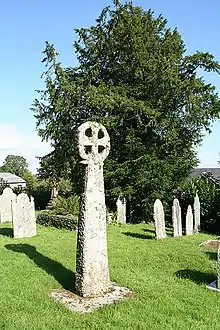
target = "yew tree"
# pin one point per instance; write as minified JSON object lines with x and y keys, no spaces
{"x":133,"y":76}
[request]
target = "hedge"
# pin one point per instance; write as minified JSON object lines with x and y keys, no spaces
{"x":46,"y":218}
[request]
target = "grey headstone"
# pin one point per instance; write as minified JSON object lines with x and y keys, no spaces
{"x":189,"y":221}
{"x":176,"y":218}
{"x":197,"y":214}
{"x":92,"y":274}
{"x":121,"y":210}
{"x":6,"y":199}
{"x":23,"y":217}
{"x":159,"y":220}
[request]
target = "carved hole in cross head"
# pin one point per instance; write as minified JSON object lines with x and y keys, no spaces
{"x":100,"y":149}
{"x":88,"y":149}
{"x":88,"y":132}
{"x":100,"y":134}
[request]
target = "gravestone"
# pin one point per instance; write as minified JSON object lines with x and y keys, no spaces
{"x":215,"y":285}
{"x":6,"y":199}
{"x":23,"y":217}
{"x":189,"y":221}
{"x":121,"y":210}
{"x":176,"y":218}
{"x":159,"y":220}
{"x":197,"y":214}
{"x":92,"y":274}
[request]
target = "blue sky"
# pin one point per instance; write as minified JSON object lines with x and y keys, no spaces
{"x":26,"y":25}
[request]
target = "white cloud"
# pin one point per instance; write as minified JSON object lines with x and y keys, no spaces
{"x":13,"y":141}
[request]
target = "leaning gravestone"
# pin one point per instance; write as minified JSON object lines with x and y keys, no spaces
{"x":197,"y":214}
{"x":5,"y":205}
{"x":159,"y":220}
{"x":176,"y":218}
{"x":189,"y":221}
{"x":121,"y":210}
{"x":23,"y":217}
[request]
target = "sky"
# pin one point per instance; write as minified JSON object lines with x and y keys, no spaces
{"x":26,"y":25}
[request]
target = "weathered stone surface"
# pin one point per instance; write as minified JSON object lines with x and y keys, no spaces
{"x":23,"y":217}
{"x":197,"y":214}
{"x":159,"y":220}
{"x":92,"y":275}
{"x":5,"y":205}
{"x":176,"y":218}
{"x":189,"y":221}
{"x":121,"y":210}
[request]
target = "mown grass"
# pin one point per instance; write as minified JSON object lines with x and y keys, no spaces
{"x":168,"y":276}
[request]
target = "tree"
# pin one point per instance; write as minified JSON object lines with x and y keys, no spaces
{"x":134,"y":77}
{"x":14,"y":164}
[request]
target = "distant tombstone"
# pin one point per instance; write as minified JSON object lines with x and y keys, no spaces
{"x":23,"y":216}
{"x":159,"y":220}
{"x":5,"y":205}
{"x":197,"y":214}
{"x":92,"y":274}
{"x":176,"y":218}
{"x":121,"y":210}
{"x":189,"y":221}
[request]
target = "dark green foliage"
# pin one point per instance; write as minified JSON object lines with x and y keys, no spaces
{"x":14,"y":164}
{"x":133,"y":77}
{"x":41,"y":193}
{"x":47,"y":218}
{"x":208,"y":189}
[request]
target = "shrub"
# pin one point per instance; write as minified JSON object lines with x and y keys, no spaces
{"x":69,"y":205}
{"x":208,"y":189}
{"x":41,"y":193}
{"x":47,"y":218}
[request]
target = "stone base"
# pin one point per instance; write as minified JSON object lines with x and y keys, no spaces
{"x":87,"y":305}
{"x":212,"y":286}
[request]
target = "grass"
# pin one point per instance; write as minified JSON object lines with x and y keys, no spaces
{"x":168,"y":276}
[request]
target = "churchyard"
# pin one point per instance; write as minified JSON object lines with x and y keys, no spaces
{"x":135,"y":277}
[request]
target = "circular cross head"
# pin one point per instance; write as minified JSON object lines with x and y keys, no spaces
{"x":93,"y":142}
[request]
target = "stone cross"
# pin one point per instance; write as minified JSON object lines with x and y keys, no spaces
{"x":5,"y":205}
{"x":176,"y":218}
{"x":189,"y":221}
{"x":197,"y":214}
{"x":92,"y":274}
{"x":23,"y":217}
{"x":121,"y":210}
{"x":159,"y":220}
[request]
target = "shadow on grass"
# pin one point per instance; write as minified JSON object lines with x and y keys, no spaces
{"x":195,"y":276}
{"x":136,"y":235}
{"x":6,"y":232}
{"x":63,"y":275}
{"x":149,"y":230}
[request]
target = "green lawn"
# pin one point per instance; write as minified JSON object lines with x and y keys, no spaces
{"x":168,"y":276}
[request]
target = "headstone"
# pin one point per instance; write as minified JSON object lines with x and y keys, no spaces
{"x":23,"y":213}
{"x":176,"y":218}
{"x":6,"y":199}
{"x":197,"y":214}
{"x":121,"y":210}
{"x":92,"y":274}
{"x":159,"y":220}
{"x":189,"y":221}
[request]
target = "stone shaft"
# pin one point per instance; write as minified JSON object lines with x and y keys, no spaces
{"x":197,"y":214}
{"x":121,"y":210}
{"x":92,"y":277}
